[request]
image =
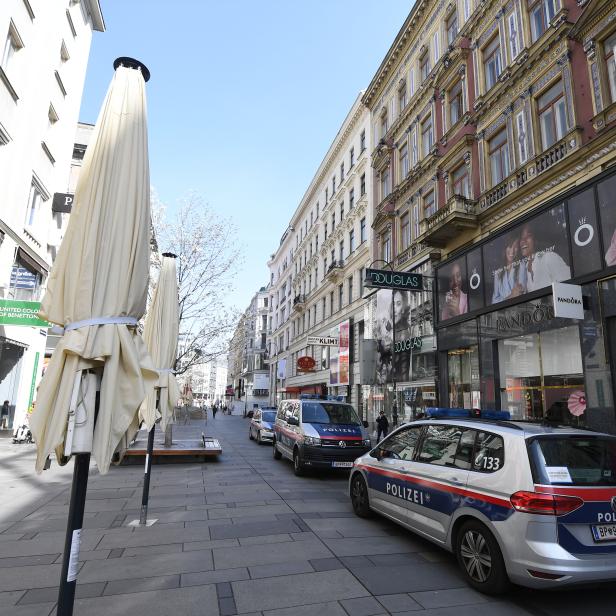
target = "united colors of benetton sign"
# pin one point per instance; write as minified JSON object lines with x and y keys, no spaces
{"x":385,"y":279}
{"x":15,"y":312}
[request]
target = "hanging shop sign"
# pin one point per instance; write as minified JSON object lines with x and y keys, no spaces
{"x":16,"y":312}
{"x":332,"y":341}
{"x":62,"y":202}
{"x":408,"y":344}
{"x":22,"y":278}
{"x":385,"y":279}
{"x":306,"y":363}
{"x":567,"y":300}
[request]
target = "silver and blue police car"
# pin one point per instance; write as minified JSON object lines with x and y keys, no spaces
{"x":515,"y":501}
{"x":261,"y":426}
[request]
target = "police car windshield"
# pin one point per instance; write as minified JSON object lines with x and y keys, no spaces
{"x":327,"y":413}
{"x":573,"y":460}
{"x":268,"y":416}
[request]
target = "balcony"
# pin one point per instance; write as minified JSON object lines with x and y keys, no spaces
{"x":416,"y":251}
{"x":299,"y":302}
{"x":533,"y":168}
{"x":335,"y":271}
{"x":457,"y":215}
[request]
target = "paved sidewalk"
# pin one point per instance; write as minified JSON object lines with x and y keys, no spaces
{"x":241,"y":535}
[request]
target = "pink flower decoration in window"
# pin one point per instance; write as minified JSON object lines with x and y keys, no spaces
{"x":577,"y":403}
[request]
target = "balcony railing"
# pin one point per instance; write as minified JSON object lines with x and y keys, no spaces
{"x":334,"y":271}
{"x":457,"y":215}
{"x":299,"y":302}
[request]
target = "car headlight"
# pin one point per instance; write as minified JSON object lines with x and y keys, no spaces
{"x":367,"y":442}
{"x":312,"y":440}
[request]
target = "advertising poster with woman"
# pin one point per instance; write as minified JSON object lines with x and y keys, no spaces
{"x":452,"y":289}
{"x":606,"y":191}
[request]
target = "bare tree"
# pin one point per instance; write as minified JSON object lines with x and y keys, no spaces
{"x":208,"y":259}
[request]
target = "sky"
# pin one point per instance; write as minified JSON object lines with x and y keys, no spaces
{"x":244,"y":100}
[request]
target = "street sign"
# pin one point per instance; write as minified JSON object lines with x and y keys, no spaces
{"x":16,"y":312}
{"x":324,"y":340}
{"x":385,"y":279}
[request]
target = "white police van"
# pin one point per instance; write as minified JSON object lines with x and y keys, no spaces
{"x":319,"y":432}
{"x":515,"y":501}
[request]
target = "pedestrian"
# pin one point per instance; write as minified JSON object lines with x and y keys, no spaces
{"x":394,"y":415}
{"x":382,"y":425}
{"x":214,"y":410}
{"x":4,"y":415}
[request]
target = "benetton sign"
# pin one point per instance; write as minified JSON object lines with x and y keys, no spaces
{"x":385,"y":279}
{"x":323,"y":340}
{"x":15,"y":312}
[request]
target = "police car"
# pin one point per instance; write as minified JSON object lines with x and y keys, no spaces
{"x":261,"y":425}
{"x":515,"y":501}
{"x":319,"y":432}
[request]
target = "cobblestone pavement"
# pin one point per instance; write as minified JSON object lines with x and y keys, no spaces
{"x":242,"y":535}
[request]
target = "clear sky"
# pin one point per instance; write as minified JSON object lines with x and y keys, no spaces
{"x":245,"y":98}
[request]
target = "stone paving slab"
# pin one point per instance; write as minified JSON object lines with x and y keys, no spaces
{"x":372,"y":545}
{"x":46,"y":595}
{"x":252,"y":529}
{"x":317,"y":609}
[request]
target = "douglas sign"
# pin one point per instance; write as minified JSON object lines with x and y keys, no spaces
{"x":384,"y":279}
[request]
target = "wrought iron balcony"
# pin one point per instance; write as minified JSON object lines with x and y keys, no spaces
{"x":299,"y":301}
{"x":335,"y":270}
{"x":457,"y":215}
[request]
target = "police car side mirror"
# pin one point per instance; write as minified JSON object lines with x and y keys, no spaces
{"x":365,"y":424}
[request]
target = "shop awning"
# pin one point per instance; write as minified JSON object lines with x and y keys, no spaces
{"x":5,"y":340}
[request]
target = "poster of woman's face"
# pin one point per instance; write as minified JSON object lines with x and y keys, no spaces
{"x":606,"y":191}
{"x":529,"y":257}
{"x":383,"y":334}
{"x":452,"y":289}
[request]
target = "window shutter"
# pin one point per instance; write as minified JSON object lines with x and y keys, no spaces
{"x":520,"y":122}
{"x":514,"y":40}
{"x":435,"y":44}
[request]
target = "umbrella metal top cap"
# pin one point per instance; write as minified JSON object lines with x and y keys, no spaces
{"x":132,"y":63}
{"x":170,"y":254}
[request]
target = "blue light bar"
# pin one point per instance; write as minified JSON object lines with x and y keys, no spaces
{"x":441,"y":412}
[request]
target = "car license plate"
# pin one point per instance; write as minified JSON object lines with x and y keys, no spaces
{"x":342,"y":464}
{"x":604,"y":532}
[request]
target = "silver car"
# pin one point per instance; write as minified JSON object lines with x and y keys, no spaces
{"x":516,"y":502}
{"x":261,"y":425}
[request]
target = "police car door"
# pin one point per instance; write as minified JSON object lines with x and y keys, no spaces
{"x":441,"y":469}
{"x":388,"y":487}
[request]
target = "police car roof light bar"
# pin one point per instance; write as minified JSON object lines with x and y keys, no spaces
{"x":441,"y":413}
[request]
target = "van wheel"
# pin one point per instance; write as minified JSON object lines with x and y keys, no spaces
{"x":277,"y":454}
{"x":359,"y":497}
{"x":480,"y":559}
{"x":298,"y":466}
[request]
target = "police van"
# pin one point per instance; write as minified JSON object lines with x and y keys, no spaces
{"x":515,"y":501}
{"x":319,"y":432}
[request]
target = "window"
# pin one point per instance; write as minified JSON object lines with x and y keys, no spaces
{"x":428,"y":204}
{"x":452,"y":27}
{"x":405,"y":231}
{"x":492,"y":62}
{"x":351,"y":240}
{"x":25,"y":282}
{"x":362,"y":230}
{"x":467,"y":9}
{"x":340,"y":295}
{"x":460,"y":183}
{"x":499,"y":157}
{"x":333,"y":185}
{"x":440,"y":444}
{"x":386,"y":247}
{"x":552,"y":115}
{"x":427,"y":138}
{"x":402,"y":444}
{"x":411,"y":81}
{"x":331,"y":303}
{"x":341,"y":210}
{"x":610,"y":63}
{"x":52,"y":116}
{"x":415,"y":221}
{"x":456,"y":103}
{"x":34,"y":205}
{"x":362,"y":185}
{"x":341,"y":251}
{"x":350,"y":289}
{"x":402,"y":97}
{"x":323,"y":308}
{"x":325,"y":231}
{"x":333,"y":255}
{"x":520,"y":123}
{"x":64,"y":55}
{"x":341,"y":171}
{"x":326,"y":195}
{"x":351,"y":198}
{"x":424,"y":66}
{"x":404,"y":161}
{"x":384,"y":124}
{"x":436,"y":46}
{"x":351,"y":158}
{"x":361,"y":281}
{"x":362,"y":141}
{"x":12,"y":45}
{"x":541,"y":13}
{"x":317,"y":214}
{"x":385,"y":183}
{"x":514,"y":40}
{"x":333,"y":221}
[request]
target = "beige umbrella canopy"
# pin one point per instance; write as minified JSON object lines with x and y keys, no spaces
{"x":160,"y":334}
{"x":98,"y":286}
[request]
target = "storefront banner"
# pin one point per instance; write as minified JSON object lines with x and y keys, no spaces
{"x":567,"y":300}
{"x":22,"y":278}
{"x":16,"y":312}
{"x":260,"y":381}
{"x":281,"y":371}
{"x":339,"y":363}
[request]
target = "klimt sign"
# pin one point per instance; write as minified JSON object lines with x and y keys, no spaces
{"x":384,"y":279}
{"x":323,"y":340}
{"x":15,"y":312}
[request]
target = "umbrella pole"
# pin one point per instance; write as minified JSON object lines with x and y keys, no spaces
{"x":148,"y":468}
{"x":70,"y":561}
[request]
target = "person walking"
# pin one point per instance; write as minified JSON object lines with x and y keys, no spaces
{"x":382,"y":425}
{"x":214,"y":410}
{"x":4,"y":415}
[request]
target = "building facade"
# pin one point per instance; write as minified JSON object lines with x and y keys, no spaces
{"x":209,"y":380}
{"x":318,"y":271}
{"x":45,"y":48}
{"x":494,"y":133}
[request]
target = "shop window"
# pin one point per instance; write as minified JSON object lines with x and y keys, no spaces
{"x":552,"y":115}
{"x":25,"y":282}
{"x":452,"y":27}
{"x":609,"y":46}
{"x":405,"y":231}
{"x":427,"y":136}
{"x":541,"y":13}
{"x":498,"y":155}
{"x":492,"y":63}
{"x":456,"y":103}
{"x":463,"y":377}
{"x":460,"y":181}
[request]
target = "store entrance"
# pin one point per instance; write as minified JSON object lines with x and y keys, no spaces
{"x":463,"y":374}
{"x":541,"y":376}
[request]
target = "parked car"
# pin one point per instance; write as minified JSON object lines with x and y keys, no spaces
{"x":262,"y":425}
{"x":319,"y":432}
{"x":515,"y":501}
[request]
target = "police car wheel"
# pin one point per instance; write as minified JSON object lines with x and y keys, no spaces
{"x":259,"y":438}
{"x":250,"y":436}
{"x":277,"y":454}
{"x":480,"y":559}
{"x":298,"y":465}
{"x":359,"y":497}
